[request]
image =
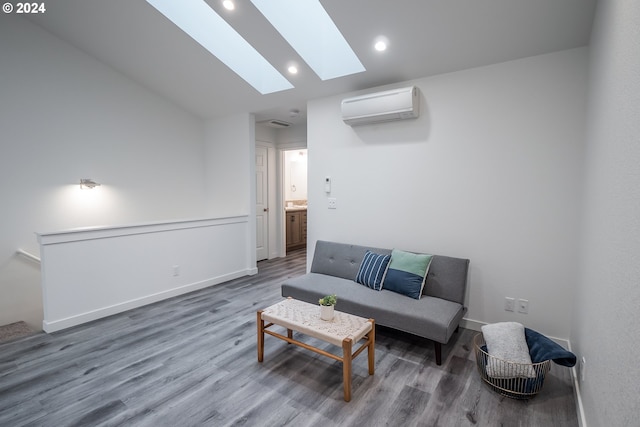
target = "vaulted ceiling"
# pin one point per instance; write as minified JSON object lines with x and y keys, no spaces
{"x":426,"y":37}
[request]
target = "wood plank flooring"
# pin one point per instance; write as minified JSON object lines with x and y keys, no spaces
{"x":192,"y":361}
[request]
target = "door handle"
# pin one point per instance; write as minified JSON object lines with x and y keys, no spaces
{"x":265,"y":210}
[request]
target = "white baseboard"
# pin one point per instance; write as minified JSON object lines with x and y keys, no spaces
{"x":582,"y":421}
{"x":474,"y":325}
{"x":78,"y":319}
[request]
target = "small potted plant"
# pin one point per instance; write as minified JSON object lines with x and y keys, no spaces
{"x":326,"y":306}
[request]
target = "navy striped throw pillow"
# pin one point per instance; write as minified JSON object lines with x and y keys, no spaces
{"x":372,"y":270}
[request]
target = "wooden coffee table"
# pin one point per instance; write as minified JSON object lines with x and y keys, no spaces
{"x":344,"y":331}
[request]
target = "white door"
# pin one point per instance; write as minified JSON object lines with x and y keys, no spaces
{"x":262,"y":208}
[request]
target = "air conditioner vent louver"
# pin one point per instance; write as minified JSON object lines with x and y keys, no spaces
{"x":396,"y":104}
{"x":276,"y":123}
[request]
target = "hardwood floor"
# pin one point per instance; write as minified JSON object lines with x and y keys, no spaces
{"x":192,"y":361}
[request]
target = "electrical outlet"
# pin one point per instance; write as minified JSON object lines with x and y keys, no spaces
{"x":523,"y":306}
{"x":509,"y":304}
{"x":332,"y":202}
{"x":176,"y":270}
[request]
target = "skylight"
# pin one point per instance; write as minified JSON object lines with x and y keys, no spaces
{"x":311,"y":32}
{"x":206,"y":27}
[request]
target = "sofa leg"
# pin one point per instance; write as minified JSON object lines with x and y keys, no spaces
{"x":438,"y":353}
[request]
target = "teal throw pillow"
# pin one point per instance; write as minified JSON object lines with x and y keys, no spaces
{"x":407,"y":273}
{"x":372,"y":270}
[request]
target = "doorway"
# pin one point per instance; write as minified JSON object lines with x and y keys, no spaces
{"x":295,"y":198}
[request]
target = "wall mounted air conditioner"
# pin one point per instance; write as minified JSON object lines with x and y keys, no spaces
{"x":396,"y":104}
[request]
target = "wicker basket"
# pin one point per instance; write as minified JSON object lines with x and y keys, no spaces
{"x":515,"y":380}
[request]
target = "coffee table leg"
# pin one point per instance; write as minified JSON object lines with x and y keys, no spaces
{"x":346,"y":368}
{"x":260,"y":336}
{"x":371,"y":350}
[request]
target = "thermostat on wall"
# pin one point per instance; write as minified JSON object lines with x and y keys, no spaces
{"x":327,"y":184}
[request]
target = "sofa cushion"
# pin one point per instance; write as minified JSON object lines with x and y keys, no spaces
{"x":447,"y":278}
{"x":340,"y":259}
{"x":372,"y":270}
{"x":428,"y":317}
{"x":407,"y":273}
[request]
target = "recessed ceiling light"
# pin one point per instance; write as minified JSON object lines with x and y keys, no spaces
{"x":310,"y":31}
{"x":292,"y":69}
{"x":380,"y":46}
{"x":204,"y":25}
{"x":228,"y":4}
{"x":380,"y":43}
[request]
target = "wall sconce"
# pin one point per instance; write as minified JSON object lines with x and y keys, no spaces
{"x":88,"y":183}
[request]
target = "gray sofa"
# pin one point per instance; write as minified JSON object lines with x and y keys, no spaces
{"x":435,"y":316}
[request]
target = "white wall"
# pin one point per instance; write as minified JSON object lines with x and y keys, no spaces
{"x":490,"y":171}
{"x":66,"y":116}
{"x":265,"y":133}
{"x":230,"y":160}
{"x":90,"y":274}
{"x":605,"y":325}
{"x":292,"y":137}
{"x":230,"y":153}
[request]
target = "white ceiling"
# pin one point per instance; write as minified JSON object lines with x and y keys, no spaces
{"x":427,"y":37}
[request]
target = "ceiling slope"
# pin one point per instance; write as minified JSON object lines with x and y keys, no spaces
{"x":426,"y":37}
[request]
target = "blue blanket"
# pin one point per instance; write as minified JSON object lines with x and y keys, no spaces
{"x":542,"y":348}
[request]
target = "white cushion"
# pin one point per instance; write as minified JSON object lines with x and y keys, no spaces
{"x":506,"y":341}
